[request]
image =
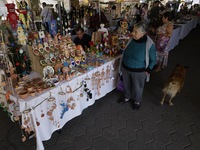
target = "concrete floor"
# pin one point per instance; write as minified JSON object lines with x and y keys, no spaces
{"x":109,"y":125}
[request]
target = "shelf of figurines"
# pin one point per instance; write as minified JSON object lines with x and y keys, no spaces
{"x":62,"y":61}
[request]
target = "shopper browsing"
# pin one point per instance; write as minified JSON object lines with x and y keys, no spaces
{"x":134,"y":64}
{"x":46,"y":14}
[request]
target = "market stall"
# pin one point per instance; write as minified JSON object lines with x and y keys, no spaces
{"x":55,"y":79}
{"x":68,"y":99}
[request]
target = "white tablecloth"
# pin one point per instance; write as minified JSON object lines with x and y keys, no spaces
{"x":46,"y":128}
{"x":174,"y":40}
{"x":182,"y":32}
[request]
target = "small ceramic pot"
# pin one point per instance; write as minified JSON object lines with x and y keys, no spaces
{"x":41,"y":83}
{"x":47,"y":87}
{"x":39,"y":90}
{"x":32,"y":93}
{"x":22,"y":83}
{"x":23,"y":94}
{"x":30,"y":88}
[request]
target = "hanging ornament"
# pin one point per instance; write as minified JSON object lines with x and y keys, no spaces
{"x":13,"y":44}
{"x":17,"y":50}
{"x":24,"y":57}
{"x":20,"y":51}
{"x":17,"y":64}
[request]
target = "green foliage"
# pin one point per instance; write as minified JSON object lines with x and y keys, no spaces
{"x":16,"y":57}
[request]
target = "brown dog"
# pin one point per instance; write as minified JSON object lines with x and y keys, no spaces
{"x":174,"y":83}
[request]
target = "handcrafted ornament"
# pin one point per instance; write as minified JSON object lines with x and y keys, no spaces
{"x":107,"y":74}
{"x":68,"y":89}
{"x":103,"y":76}
{"x":40,"y":47}
{"x":12,"y":16}
{"x":93,"y":81}
{"x":23,"y":15}
{"x":43,"y":62}
{"x":21,"y":51}
{"x":22,"y":38}
{"x":35,"y":50}
{"x":17,"y":64}
{"x":46,"y":47}
{"x":41,"y":34}
{"x":98,"y":86}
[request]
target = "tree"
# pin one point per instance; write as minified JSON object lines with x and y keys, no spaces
{"x":17,"y":56}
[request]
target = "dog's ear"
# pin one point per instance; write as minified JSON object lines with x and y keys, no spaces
{"x":186,"y":67}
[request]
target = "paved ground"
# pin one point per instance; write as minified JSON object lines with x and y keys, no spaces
{"x":108,"y":125}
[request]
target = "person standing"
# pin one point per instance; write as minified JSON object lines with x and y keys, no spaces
{"x":46,"y":14}
{"x":136,"y":64}
{"x":154,"y":13}
{"x":144,"y":13}
{"x":166,"y":32}
{"x":134,"y":11}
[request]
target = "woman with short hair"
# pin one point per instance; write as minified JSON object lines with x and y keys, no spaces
{"x":137,"y":62}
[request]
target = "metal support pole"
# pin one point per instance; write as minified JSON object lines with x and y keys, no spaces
{"x":59,"y":12}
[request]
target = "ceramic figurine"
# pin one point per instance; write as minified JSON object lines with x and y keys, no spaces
{"x":61,"y":77}
{"x":67,"y":77}
{"x":64,"y":39}
{"x":69,"y":38}
{"x":49,"y":38}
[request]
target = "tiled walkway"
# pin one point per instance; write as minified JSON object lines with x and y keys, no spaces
{"x":108,"y":125}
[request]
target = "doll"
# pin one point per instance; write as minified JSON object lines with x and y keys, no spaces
{"x":21,"y":36}
{"x":12,"y":16}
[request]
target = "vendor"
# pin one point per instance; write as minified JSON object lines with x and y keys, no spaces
{"x":82,"y":38}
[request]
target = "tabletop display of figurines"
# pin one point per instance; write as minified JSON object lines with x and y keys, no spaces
{"x":36,"y":85}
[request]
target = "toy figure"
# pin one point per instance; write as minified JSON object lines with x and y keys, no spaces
{"x":12,"y":16}
{"x":23,"y":15}
{"x":22,"y":38}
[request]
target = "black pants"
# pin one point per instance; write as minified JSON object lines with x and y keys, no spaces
{"x":46,"y":26}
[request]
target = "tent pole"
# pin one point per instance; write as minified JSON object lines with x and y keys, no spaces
{"x":59,"y":12}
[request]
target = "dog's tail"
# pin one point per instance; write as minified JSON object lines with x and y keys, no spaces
{"x":171,"y":86}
